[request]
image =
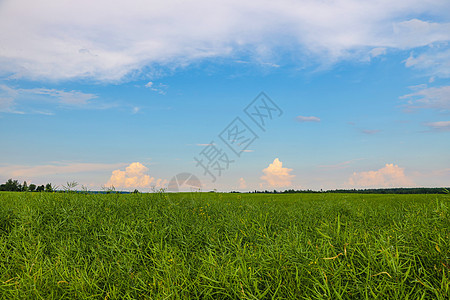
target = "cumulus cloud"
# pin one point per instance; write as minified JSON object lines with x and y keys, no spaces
{"x":112,"y":41}
{"x":161,"y":183}
{"x":134,"y":176}
{"x":302,"y":119}
{"x":428,"y":97}
{"x":389,"y":176}
{"x":276,"y":175}
{"x":242,"y":183}
{"x":439,"y":126}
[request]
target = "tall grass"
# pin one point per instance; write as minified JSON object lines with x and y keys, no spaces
{"x":224,"y":246}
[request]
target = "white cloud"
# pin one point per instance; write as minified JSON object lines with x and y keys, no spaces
{"x":389,"y":176}
{"x":302,"y":119}
{"x":439,"y":126}
{"x":134,"y":176}
{"x":416,"y":33}
{"x":433,"y":97}
{"x":276,"y":175}
{"x":242,"y":183}
{"x":113,"y":41}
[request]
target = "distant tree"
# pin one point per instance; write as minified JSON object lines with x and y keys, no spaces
{"x":24,"y":187}
{"x":70,"y":186}
{"x":109,"y":190}
{"x":32,"y":187}
{"x":40,"y":188}
{"x":84,"y":190}
{"x":135,"y":191}
{"x":48,"y":188}
{"x":11,"y":186}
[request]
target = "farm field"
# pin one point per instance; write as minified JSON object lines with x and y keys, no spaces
{"x":224,"y":246}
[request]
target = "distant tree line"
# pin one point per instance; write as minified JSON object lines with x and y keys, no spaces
{"x":419,"y":190}
{"x":14,"y":186}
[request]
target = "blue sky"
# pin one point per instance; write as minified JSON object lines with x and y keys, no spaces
{"x":129,"y":94}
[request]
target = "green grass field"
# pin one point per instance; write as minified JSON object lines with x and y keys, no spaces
{"x":224,"y":246}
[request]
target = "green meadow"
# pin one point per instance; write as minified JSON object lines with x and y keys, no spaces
{"x":224,"y":246}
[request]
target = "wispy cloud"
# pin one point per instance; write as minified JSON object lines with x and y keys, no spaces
{"x":302,"y":119}
{"x":434,"y":62}
{"x":341,"y":165}
{"x":159,"y":87}
{"x":377,"y":51}
{"x":277,"y":176}
{"x":12,"y":98}
{"x":75,"y":98}
{"x":7,"y":97}
{"x":45,"y":113}
{"x":428,"y":97}
{"x":370,"y":131}
{"x":439,"y":126}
